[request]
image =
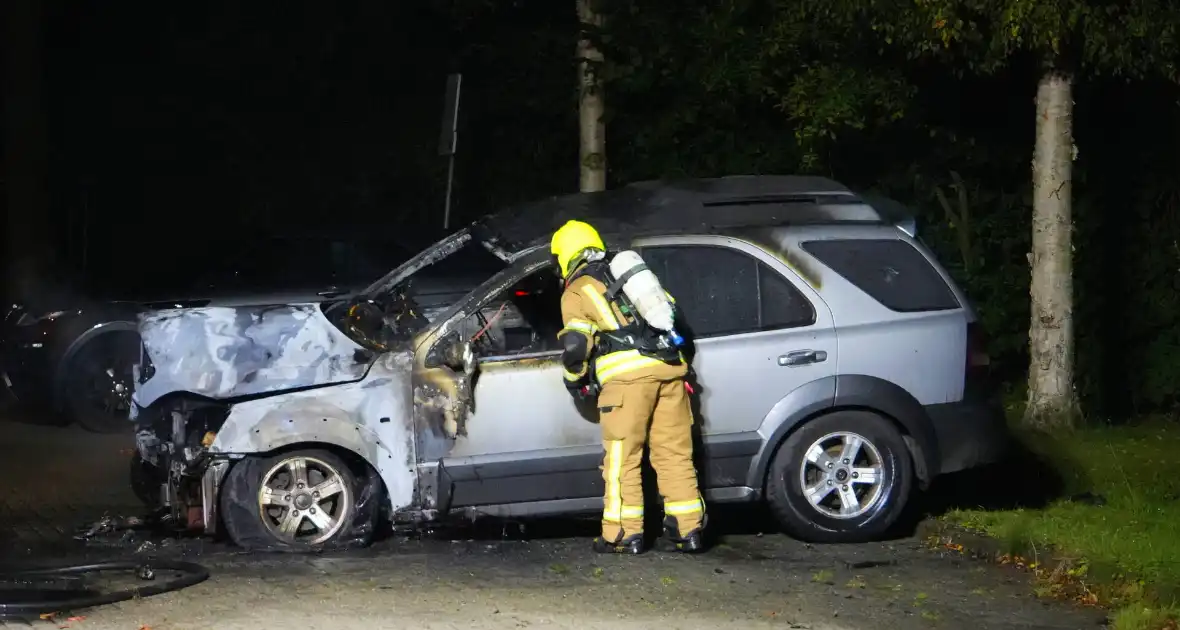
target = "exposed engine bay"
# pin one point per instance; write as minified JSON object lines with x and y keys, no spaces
{"x":177,"y":472}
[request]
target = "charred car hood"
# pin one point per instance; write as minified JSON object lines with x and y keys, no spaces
{"x":234,"y":352}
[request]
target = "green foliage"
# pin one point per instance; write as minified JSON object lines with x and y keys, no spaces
{"x":1134,"y":37}
{"x":1126,"y":543}
{"x":825,"y":99}
{"x":741,"y":86}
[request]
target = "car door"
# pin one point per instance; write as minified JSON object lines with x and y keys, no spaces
{"x":526,"y":441}
{"x":759,"y":331}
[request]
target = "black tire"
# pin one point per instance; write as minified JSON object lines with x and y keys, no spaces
{"x":85,"y":374}
{"x":243,"y":517}
{"x":796,"y":514}
{"x":146,"y":481}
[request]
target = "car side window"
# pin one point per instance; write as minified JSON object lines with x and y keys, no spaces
{"x":891,"y":271}
{"x":723,"y":291}
{"x":523,"y":318}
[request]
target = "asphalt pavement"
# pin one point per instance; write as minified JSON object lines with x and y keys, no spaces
{"x":493,"y":575}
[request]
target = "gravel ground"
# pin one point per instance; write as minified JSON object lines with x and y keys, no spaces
{"x":58,"y":478}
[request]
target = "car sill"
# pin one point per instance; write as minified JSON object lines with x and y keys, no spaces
{"x":736,"y":494}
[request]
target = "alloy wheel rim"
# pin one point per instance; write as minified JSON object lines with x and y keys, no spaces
{"x":842,"y":475}
{"x":304,"y":500}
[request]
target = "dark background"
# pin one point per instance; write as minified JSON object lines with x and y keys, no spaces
{"x":177,"y":133}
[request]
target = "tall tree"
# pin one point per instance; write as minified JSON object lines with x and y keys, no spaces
{"x":591,"y":107}
{"x":1070,"y":39}
{"x":1052,"y":400}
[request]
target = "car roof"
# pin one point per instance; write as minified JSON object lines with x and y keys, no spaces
{"x":661,"y":207}
{"x":688,"y":206}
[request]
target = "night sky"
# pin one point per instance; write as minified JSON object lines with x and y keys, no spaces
{"x":178,"y":131}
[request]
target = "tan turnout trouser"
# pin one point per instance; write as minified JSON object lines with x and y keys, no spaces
{"x":659,"y":413}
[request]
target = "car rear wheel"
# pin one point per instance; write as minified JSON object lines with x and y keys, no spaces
{"x":296,"y":501}
{"x":99,"y":382}
{"x":842,"y":477}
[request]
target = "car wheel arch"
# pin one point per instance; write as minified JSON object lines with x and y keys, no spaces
{"x":894,"y":403}
{"x":839,"y":393}
{"x":61,"y":375}
{"x":280,"y":431}
{"x":363,"y":469}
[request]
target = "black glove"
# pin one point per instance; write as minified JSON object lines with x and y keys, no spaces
{"x":582,"y":391}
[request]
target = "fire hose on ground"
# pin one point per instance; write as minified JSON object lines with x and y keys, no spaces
{"x":31,"y":602}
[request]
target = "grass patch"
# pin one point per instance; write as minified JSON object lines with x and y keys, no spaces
{"x":1118,"y":525}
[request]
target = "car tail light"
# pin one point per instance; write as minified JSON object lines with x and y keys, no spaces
{"x":977,"y":358}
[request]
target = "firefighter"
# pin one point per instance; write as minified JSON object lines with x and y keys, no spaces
{"x":642,"y":396}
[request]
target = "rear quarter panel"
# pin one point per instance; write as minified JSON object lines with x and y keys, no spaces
{"x":924,"y":352}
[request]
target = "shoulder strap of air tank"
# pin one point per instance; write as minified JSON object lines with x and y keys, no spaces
{"x":597,"y":269}
{"x":613,"y":288}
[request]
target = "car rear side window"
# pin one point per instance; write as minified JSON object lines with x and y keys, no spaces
{"x":721,"y":291}
{"x":891,"y":271}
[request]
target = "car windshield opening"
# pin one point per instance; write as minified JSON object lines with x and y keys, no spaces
{"x":381,"y":321}
{"x":439,"y":286}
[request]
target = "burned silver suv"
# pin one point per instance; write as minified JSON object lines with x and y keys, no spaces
{"x":837,"y":367}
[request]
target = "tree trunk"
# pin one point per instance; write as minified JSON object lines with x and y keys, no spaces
{"x":592,"y":131}
{"x":26,"y":155}
{"x":1052,"y":402}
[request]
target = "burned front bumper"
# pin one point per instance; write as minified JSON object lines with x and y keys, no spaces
{"x":174,"y":442}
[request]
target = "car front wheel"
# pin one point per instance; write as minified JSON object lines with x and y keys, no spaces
{"x":295,"y":501}
{"x":842,"y":477}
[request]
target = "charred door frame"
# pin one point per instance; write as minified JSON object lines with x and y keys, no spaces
{"x":436,"y":389}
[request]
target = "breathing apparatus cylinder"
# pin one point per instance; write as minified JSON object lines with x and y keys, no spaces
{"x":643,"y":289}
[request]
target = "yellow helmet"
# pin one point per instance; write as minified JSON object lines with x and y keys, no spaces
{"x":572,"y":239}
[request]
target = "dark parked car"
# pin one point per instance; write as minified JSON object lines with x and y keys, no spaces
{"x":72,"y":356}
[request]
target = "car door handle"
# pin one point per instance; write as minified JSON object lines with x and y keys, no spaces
{"x":802,"y":357}
{"x":330,"y":293}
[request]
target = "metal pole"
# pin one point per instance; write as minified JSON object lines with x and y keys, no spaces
{"x":448,"y":140}
{"x":450,"y":180}
{"x":85,"y":235}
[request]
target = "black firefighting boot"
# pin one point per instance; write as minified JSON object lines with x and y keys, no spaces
{"x":632,"y":545}
{"x":693,"y":542}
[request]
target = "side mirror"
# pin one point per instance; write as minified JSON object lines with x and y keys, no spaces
{"x":456,"y":353}
{"x":460,"y":356}
{"x":453,"y":352}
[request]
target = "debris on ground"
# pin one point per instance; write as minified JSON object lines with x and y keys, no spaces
{"x":109,"y":524}
{"x":144,"y":534}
